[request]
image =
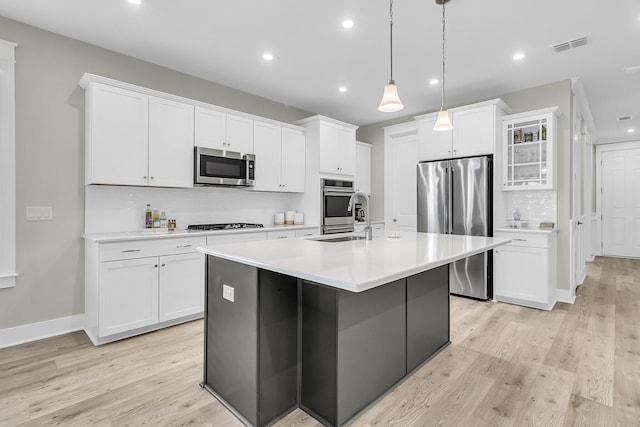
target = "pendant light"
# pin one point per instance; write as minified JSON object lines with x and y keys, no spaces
{"x":390,"y":99}
{"x":443,"y":122}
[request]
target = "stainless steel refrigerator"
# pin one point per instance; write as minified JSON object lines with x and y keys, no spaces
{"x":455,"y":197}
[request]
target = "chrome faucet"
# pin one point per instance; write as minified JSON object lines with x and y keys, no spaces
{"x":368,"y":232}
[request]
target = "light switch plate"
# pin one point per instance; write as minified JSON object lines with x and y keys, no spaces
{"x":39,"y":213}
{"x":228,"y":293}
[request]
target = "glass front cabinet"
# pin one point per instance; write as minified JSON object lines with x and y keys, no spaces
{"x":529,"y":150}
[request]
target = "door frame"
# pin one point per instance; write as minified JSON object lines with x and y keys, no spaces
{"x":601,"y":148}
{"x":391,"y":132}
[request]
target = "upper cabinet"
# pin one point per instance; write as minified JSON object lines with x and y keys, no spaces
{"x":476,"y":129}
{"x":223,"y":131}
{"x":137,"y":139}
{"x":363,"y":167}
{"x":529,"y":150}
{"x":280,"y":158}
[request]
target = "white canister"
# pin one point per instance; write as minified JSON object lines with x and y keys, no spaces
{"x":288,"y":217}
{"x":279,"y":218}
{"x":298,"y":218}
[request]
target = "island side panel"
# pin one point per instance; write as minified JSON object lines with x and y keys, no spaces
{"x":427,"y":314}
{"x":278,"y":345}
{"x":232,"y":336}
{"x":318,"y":386}
{"x":371,"y":345}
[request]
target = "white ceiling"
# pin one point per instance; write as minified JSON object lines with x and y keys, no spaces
{"x":314,"y":55}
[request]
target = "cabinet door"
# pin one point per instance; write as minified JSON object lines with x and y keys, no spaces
{"x":210,"y":128}
{"x":347,"y":151}
{"x":363,"y":168}
{"x":128,"y":295}
{"x":433,"y":145}
{"x":284,"y":234}
{"x":170,"y":143}
{"x":267,"y":148}
{"x":239,"y":134}
{"x":474,"y":132}
{"x":329,"y":148}
{"x":293,"y":160}
{"x":117,"y":136}
{"x":521,"y":273}
{"x":181,"y":287}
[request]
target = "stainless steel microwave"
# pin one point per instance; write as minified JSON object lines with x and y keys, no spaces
{"x":221,"y":167}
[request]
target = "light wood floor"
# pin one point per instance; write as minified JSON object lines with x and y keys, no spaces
{"x":508,"y":365}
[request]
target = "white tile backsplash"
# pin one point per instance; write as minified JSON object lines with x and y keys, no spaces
{"x":116,"y":209}
{"x":535,"y":206}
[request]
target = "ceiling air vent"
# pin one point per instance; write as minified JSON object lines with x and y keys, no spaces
{"x":623,"y":118}
{"x":571,"y":44}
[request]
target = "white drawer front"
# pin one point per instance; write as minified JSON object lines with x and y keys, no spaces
{"x":236,"y":237}
{"x":524,"y":239}
{"x":145,"y":248}
{"x":308,"y":232}
{"x":284,"y":234}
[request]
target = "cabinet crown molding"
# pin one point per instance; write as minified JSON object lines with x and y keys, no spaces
{"x":497,"y":102}
{"x":318,"y":117}
{"x":554,"y":110}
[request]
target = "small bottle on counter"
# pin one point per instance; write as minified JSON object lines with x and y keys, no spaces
{"x":148,"y":217}
{"x":163,"y":220}
{"x":516,"y":214}
{"x":156,"y":218}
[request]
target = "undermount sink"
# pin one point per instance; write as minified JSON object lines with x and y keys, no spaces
{"x":340,"y":239}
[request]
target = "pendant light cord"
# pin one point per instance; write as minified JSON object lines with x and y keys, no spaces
{"x":391,"y":41}
{"x":443,"y":42}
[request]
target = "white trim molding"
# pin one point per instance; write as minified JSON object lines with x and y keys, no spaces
{"x":37,"y":331}
{"x":7,"y":165}
{"x":564,"y":295}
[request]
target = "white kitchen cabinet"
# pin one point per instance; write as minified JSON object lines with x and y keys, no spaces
{"x":281,"y":234}
{"x":306,"y":232}
{"x":475,"y":132}
{"x":136,"y":286}
{"x":525,"y":269}
{"x":529,"y":150}
{"x":337,"y":149}
{"x":170,"y":143}
{"x":223,"y":131}
{"x":363,"y":167}
{"x":136,"y":139}
{"x":280,"y":158}
{"x":128,"y":295}
{"x":377,"y":228}
{"x":117,"y":136}
{"x":181,"y":286}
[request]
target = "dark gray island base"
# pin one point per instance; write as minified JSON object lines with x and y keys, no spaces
{"x":286,"y":342}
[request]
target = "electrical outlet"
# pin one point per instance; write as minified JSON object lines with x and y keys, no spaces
{"x":228,"y":293}
{"x":39,"y":213}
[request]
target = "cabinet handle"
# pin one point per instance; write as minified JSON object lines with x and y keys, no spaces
{"x":144,"y":177}
{"x":183,"y":246}
{"x":455,"y":151}
{"x":152,"y":177}
{"x":155,"y":266}
{"x":519,"y":240}
{"x":124,"y":251}
{"x":163,"y":265}
{"x":281,"y":237}
{"x":449,"y":151}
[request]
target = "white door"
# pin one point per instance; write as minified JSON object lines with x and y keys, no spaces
{"x":363,"y":167}
{"x":266,"y":145}
{"x":210,"y":128}
{"x":293,"y":160}
{"x":181,"y":288}
{"x":474,"y":132}
{"x":621,"y":203}
{"x":239,"y":134}
{"x":433,"y":145}
{"x":403,"y":197}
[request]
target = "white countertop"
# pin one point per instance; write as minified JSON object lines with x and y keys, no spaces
{"x":163,"y":234}
{"x":355,"y":265}
{"x":528,"y":230}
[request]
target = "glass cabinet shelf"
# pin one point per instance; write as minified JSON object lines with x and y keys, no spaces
{"x":528,"y":150}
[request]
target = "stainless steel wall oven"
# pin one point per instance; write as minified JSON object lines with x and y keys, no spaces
{"x":336,"y":218}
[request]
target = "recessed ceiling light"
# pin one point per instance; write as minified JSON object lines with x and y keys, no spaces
{"x":267,"y":56}
{"x":347,"y":23}
{"x":631,"y":130}
{"x":434,"y":82}
{"x":136,"y":2}
{"x":342,"y":89}
{"x":518,"y":56}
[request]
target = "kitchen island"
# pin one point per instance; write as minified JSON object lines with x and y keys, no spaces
{"x":327,"y":324}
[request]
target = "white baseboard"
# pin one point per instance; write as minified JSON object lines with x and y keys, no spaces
{"x":36,"y":331}
{"x":564,"y":295}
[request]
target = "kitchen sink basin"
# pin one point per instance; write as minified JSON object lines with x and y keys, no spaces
{"x":340,"y":239}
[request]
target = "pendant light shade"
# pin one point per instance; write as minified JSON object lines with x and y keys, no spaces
{"x":443,"y":123}
{"x":390,"y":98}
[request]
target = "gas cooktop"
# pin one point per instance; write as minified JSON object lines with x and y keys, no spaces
{"x":229,"y":226}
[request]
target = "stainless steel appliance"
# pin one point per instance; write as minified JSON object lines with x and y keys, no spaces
{"x":360,"y":213}
{"x":336,"y":216}
{"x":221,"y":167}
{"x":454,"y":196}
{"x":224,"y":226}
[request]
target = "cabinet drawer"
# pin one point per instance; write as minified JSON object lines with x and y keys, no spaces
{"x":524,"y":239}
{"x":236,"y":237}
{"x":284,"y":234}
{"x":145,"y":248}
{"x":308,"y":232}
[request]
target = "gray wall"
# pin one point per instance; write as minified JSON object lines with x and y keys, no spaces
{"x":50,"y":158}
{"x":549,"y":95}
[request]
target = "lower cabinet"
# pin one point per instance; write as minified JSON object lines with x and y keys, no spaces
{"x":525,"y":269}
{"x":137,"y":286}
{"x":376,"y":227}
